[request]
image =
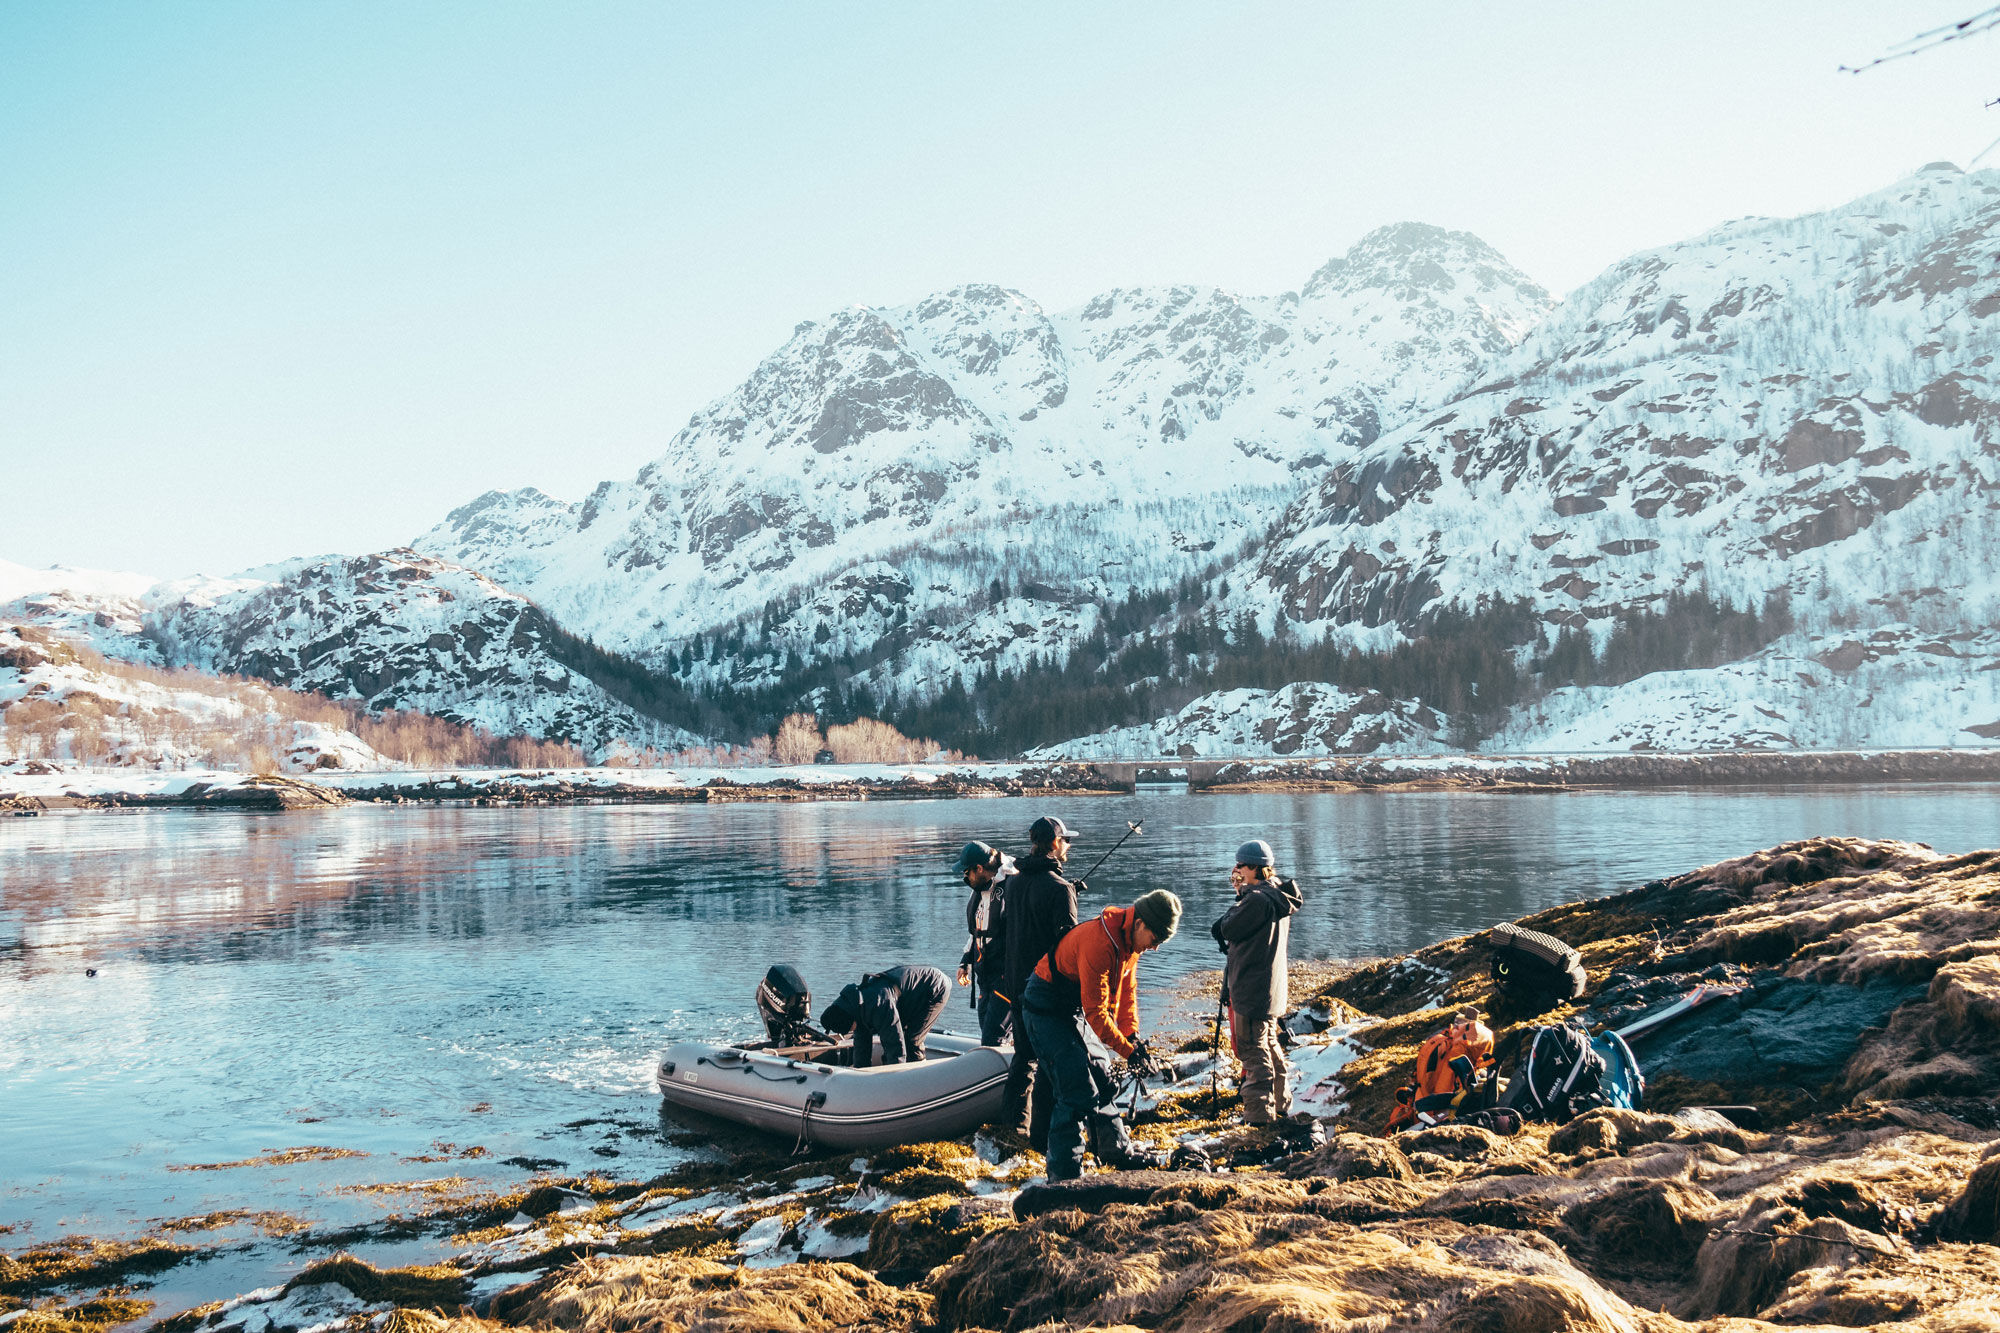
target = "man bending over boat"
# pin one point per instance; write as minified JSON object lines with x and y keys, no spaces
{"x":1093,"y":974}
{"x":898,"y":1006}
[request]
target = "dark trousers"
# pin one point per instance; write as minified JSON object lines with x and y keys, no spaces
{"x":917,"y":1017}
{"x":1078,"y":1088}
{"x":1027,"y":1097}
{"x":996,"y":1019}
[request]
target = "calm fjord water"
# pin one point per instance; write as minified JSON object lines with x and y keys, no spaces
{"x":390,"y":979}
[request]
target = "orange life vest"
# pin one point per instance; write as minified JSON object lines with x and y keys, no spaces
{"x":1448,"y":1066}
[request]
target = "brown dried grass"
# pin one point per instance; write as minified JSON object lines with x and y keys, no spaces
{"x":681,"y":1294}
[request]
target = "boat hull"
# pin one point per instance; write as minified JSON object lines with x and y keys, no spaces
{"x":954,"y":1091}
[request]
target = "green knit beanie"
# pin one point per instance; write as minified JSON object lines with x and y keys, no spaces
{"x":1161,"y":911}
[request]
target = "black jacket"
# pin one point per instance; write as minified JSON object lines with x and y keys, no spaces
{"x":1256,"y":932}
{"x":898,"y":1006}
{"x":986,"y":951}
{"x":1040,"y":905}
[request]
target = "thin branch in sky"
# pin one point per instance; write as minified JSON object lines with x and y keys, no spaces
{"x":1984,"y":21}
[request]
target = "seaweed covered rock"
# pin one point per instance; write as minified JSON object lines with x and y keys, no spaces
{"x":1641,"y":1228}
{"x":908,"y":1241}
{"x":615,"y":1294}
{"x":1264,"y":1259}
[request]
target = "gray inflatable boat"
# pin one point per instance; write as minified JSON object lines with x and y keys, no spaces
{"x":796,"y":1091}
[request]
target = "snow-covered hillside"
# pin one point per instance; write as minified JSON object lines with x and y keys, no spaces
{"x":401,"y":630}
{"x":61,"y":705}
{"x":1895,"y":686}
{"x":1306,"y":720}
{"x":1803,"y":405}
{"x":909,"y":501}
{"x":951,"y":437}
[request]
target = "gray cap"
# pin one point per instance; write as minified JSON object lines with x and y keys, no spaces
{"x":975,"y":854}
{"x":1257,"y":853}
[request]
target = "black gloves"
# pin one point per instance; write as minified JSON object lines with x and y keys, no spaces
{"x":1140,"y":1064}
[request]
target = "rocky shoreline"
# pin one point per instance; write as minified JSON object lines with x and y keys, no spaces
{"x":1866,"y":1031}
{"x":33,"y":787}
{"x":1500,"y":773}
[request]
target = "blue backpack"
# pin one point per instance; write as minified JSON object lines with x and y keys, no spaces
{"x":1564,"y":1071}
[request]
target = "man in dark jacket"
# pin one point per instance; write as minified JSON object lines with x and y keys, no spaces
{"x":1254,"y":933}
{"x":898,"y":1006}
{"x":1040,"y":906}
{"x":983,"y":966}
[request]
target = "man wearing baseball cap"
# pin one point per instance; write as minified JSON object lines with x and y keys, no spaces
{"x":1255,"y":933}
{"x":983,"y":964}
{"x":1039,"y":906}
{"x":1093,"y":975}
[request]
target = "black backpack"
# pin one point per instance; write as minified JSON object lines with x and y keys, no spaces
{"x":1558,"y":1077}
{"x":1536,"y":968}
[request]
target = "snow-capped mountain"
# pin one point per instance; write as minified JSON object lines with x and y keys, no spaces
{"x":917,"y":497}
{"x":972,"y":435}
{"x":1804,"y":404}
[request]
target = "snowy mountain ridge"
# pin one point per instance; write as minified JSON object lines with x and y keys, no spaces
{"x":958,"y":422}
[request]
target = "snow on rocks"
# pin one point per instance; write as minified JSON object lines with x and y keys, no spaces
{"x":1307,"y":719}
{"x":968,"y":422}
{"x":399,"y":630}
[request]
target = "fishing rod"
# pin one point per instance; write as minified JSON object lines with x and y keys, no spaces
{"x":1130,"y":829}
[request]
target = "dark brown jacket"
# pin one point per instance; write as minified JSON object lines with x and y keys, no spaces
{"x":1256,"y":932}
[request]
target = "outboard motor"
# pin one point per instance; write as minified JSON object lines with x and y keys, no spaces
{"x":784,"y":1001}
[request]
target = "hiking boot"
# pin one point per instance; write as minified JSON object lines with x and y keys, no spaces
{"x":1012,"y":1140}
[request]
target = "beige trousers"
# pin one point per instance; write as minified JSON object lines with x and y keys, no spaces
{"x":1255,"y":1041}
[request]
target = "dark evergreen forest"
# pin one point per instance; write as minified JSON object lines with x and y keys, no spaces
{"x":1155,"y":652}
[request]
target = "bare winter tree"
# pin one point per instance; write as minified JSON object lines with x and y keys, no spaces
{"x":798,"y":740}
{"x":1984,"y":21}
{"x":1972,"y":26}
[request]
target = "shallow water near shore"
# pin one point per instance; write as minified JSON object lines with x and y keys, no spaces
{"x":482,"y":988}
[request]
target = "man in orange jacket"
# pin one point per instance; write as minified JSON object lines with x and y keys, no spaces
{"x":1093,"y":974}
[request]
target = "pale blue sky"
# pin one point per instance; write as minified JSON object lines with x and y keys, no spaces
{"x":280,"y":279}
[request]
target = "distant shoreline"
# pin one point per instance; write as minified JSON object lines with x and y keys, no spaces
{"x":30,"y":788}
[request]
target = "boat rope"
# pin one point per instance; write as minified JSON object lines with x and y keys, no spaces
{"x":749,"y":1068}
{"x":800,"y":1148}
